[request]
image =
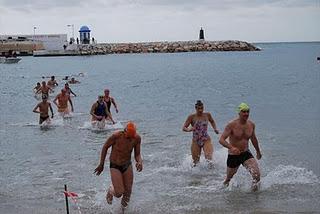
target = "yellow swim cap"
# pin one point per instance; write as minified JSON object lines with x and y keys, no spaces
{"x":243,"y":107}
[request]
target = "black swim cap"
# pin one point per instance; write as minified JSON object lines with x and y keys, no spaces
{"x":198,"y":103}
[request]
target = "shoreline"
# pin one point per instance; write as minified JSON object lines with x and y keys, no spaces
{"x":149,"y":47}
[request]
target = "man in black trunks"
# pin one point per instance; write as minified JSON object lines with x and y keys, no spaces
{"x":240,"y":131}
{"x":43,"y":107}
{"x":122,"y":144}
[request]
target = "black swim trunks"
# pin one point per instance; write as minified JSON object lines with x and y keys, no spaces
{"x":122,"y":168}
{"x":235,"y":160}
{"x":42,"y":119}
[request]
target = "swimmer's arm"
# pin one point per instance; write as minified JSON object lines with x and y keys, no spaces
{"x":187,"y":124}
{"x":72,"y":93}
{"x":213,"y":124}
{"x":50,"y":89}
{"x":255,"y":143}
{"x":51,"y":110}
{"x":37,"y":92}
{"x":226,"y":133}
{"x":70,"y":103}
{"x":110,"y":141}
{"x":92,"y":110}
{"x":35,"y":109}
{"x":110,"y":116}
{"x":114,"y":104}
{"x":55,"y":100}
{"x":137,"y":155}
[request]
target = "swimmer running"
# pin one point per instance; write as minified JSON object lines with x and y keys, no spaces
{"x":240,"y":131}
{"x":44,"y":89}
{"x":63,"y":98}
{"x":201,"y":139}
{"x":43,"y":107}
{"x":122,"y":144}
{"x":100,"y":112}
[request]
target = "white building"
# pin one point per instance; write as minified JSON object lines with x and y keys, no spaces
{"x":49,"y":41}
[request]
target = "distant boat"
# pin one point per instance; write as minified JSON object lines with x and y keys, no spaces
{"x":9,"y":60}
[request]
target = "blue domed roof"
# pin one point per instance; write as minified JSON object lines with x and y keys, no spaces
{"x":84,"y":29}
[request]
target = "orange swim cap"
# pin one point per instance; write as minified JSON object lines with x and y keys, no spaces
{"x":131,"y":129}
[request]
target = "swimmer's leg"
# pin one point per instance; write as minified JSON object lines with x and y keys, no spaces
{"x":208,"y":152}
{"x":195,"y":152}
{"x":117,"y":183}
{"x":230,"y":174}
{"x":127,"y":181}
{"x":110,"y":193}
{"x":252,"y":166}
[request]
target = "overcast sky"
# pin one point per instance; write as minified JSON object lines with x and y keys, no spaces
{"x":166,"y":20}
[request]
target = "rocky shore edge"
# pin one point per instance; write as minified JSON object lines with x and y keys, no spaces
{"x":151,"y":47}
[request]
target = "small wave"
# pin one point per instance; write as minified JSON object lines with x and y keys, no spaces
{"x":281,"y":175}
{"x":289,"y":175}
{"x":186,"y":165}
{"x":88,"y":125}
{"x":53,"y":122}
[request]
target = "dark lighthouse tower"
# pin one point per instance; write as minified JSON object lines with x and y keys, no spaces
{"x":201,"y":34}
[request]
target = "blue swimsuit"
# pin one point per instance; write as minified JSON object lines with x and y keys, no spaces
{"x":100,"y":109}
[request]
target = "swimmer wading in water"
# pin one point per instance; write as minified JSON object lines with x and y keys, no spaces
{"x":122,"y":144}
{"x":239,"y":131}
{"x":199,"y":127}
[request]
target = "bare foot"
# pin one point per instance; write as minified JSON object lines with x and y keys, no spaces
{"x":226,"y":183}
{"x":194,"y":164}
{"x":109,"y":196}
{"x":255,"y":186}
{"x":210,"y":164}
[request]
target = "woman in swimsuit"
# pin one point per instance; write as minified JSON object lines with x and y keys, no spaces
{"x":199,"y":127}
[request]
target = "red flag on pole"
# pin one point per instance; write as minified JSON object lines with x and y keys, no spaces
{"x":70,"y":194}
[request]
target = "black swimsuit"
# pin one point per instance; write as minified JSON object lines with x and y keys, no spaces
{"x":42,"y":119}
{"x":122,"y":168}
{"x":235,"y":160}
{"x":108,"y":104}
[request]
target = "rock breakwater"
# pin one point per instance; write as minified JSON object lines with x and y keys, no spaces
{"x":164,"y":47}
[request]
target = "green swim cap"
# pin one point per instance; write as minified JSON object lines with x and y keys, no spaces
{"x":243,"y":107}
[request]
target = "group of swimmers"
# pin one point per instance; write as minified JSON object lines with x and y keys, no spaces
{"x":61,"y":100}
{"x":235,"y":138}
{"x":239,"y":131}
{"x":100,"y":110}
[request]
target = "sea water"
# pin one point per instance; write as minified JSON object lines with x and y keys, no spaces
{"x":281,"y":84}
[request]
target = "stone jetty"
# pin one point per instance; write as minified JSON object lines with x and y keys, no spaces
{"x":152,"y":47}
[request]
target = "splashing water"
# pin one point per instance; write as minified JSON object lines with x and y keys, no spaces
{"x":289,"y":175}
{"x":89,"y":126}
